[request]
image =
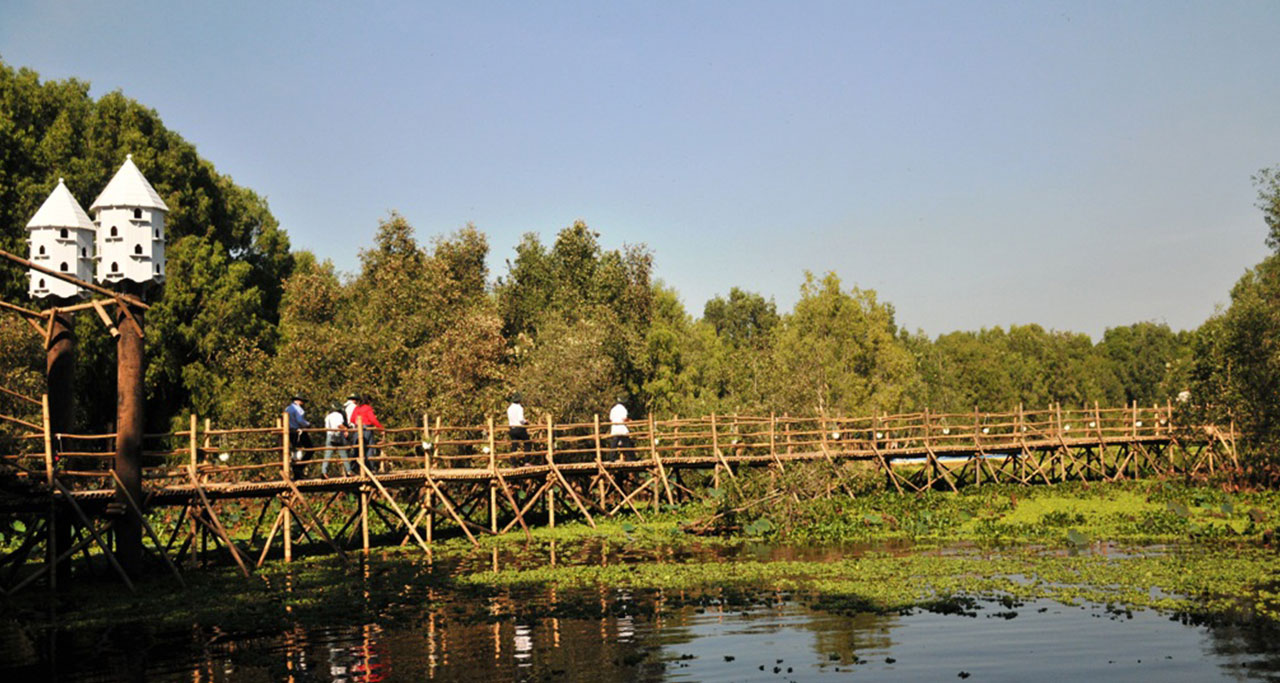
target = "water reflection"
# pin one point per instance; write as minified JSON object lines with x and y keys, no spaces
{"x":620,"y":634}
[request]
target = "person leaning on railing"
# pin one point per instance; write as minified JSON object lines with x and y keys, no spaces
{"x":364,"y":415}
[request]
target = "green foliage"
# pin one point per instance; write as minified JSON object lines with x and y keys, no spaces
{"x":1237,"y":363}
{"x":577,"y":318}
{"x":839,"y":352}
{"x":223,"y":238}
{"x":414,"y":330}
{"x":242,"y":322}
{"x":1268,"y":183}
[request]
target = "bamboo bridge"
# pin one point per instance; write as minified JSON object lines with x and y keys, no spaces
{"x":209,"y":490}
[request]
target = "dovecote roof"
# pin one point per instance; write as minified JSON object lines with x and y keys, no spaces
{"x":60,"y":210}
{"x":128,"y":187}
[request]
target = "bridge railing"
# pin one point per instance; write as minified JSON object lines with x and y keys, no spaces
{"x":245,"y":455}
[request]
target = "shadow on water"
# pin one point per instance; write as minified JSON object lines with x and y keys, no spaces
{"x":609,"y":634}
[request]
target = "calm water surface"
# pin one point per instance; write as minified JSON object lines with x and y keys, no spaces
{"x":622,"y":636}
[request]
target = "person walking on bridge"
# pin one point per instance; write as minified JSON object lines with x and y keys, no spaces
{"x":517,"y":430}
{"x":363,"y":415}
{"x":298,"y":439}
{"x":619,"y":435}
{"x":336,"y":438}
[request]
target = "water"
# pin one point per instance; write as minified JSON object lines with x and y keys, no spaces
{"x":606,"y":634}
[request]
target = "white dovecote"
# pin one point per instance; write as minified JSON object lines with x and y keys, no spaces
{"x":61,"y":239}
{"x":129,"y":215}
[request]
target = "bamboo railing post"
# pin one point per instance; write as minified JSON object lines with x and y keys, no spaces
{"x":977,"y":442}
{"x":715,"y":448}
{"x":773,"y":441}
{"x":1102,"y":439}
{"x":192,"y":442}
{"x":1133,"y":421}
{"x":595,"y":433}
{"x":427,"y":493}
{"x":364,"y":489}
{"x":1062,"y":456}
{"x":551,"y":460}
{"x":493,"y":475}
{"x":1017,"y":431}
{"x":284,"y":446}
{"x":287,"y":475}
{"x":662,"y":471}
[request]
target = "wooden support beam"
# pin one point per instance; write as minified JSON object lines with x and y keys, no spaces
{"x":310,"y":517}
{"x":653,"y":452}
{"x":102,"y":545}
{"x":395,"y":507}
{"x":21,"y":397}
{"x":84,"y":284}
{"x":217,"y":527}
{"x":137,"y":510}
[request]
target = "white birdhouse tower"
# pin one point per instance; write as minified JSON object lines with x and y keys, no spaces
{"x":130,"y":220}
{"x":62,"y":240}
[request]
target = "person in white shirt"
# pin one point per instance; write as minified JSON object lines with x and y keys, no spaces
{"x":349,"y":407}
{"x":335,"y":438}
{"x":516,"y":429}
{"x":619,"y":435}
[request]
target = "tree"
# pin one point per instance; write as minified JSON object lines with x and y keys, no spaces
{"x":839,"y":352}
{"x":578,"y":303}
{"x":1237,"y":360}
{"x":1268,"y":183}
{"x":1144,"y":357}
{"x":236,"y":250}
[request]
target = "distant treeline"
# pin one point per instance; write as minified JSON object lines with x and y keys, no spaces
{"x":244,"y":321}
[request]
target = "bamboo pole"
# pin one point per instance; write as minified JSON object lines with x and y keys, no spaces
{"x":493,"y":475}
{"x":653,"y":451}
{"x":395,"y":507}
{"x":311,"y":517}
{"x":271,"y":535}
{"x":573,"y":495}
{"x":117,"y":296}
{"x":97,"y":538}
{"x":288,"y":477}
{"x":137,"y":510}
{"x":595,"y":433}
{"x":364,"y":491}
{"x":428,"y":496}
{"x":715,"y":446}
{"x":773,"y":441}
{"x":19,"y":396}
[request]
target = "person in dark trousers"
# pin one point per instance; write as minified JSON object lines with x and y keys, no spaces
{"x":517,"y":429}
{"x":298,"y":439}
{"x":337,"y":434}
{"x":348,"y":409}
{"x":619,"y":436}
{"x":363,"y":414}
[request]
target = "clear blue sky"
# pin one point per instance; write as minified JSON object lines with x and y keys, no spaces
{"x":1080,"y":165}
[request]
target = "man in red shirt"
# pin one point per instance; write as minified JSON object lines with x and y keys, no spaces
{"x":363,"y":415}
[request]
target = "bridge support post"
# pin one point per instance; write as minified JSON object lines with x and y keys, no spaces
{"x":60,"y":362}
{"x":130,"y":423}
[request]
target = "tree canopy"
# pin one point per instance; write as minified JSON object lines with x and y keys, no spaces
{"x":243,"y":322}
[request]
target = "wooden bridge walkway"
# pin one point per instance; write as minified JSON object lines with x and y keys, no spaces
{"x":433,"y":479}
